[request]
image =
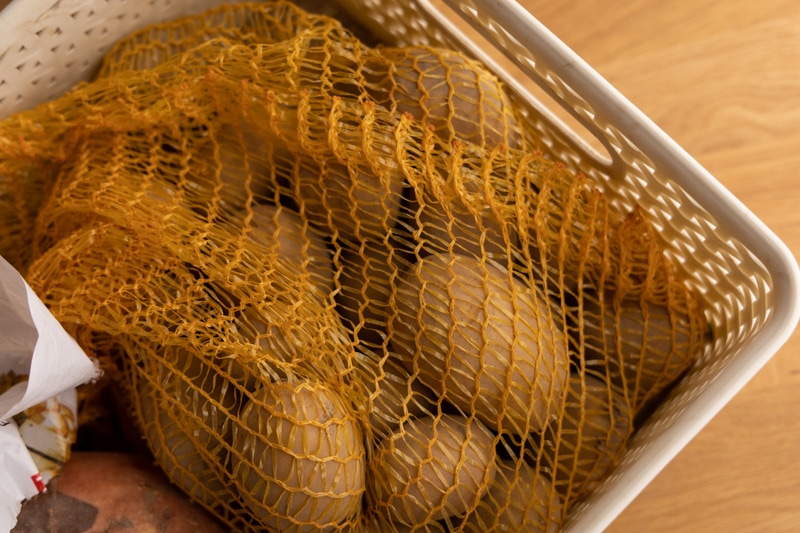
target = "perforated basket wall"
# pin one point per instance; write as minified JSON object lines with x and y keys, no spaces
{"x":744,"y":274}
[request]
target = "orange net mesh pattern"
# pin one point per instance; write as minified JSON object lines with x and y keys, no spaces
{"x":342,"y":287}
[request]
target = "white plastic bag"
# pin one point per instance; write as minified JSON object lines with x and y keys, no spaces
{"x":32,"y":343}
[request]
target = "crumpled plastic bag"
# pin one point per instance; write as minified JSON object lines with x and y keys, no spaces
{"x":32,"y":344}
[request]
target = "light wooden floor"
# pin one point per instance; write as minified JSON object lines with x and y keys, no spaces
{"x":722,"y":77}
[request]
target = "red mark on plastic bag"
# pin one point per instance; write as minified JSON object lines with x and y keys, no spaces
{"x":39,"y":482}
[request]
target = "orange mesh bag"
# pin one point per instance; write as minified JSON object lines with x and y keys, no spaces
{"x":243,"y":23}
{"x":341,"y":288}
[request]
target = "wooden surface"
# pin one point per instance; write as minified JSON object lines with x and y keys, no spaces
{"x":722,"y":77}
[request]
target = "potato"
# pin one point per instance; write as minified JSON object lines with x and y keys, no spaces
{"x":187,"y":435}
{"x":646,"y":346}
{"x":520,"y":499}
{"x":185,"y":414}
{"x":378,"y":524}
{"x":301,"y":460}
{"x":472,"y":234}
{"x":365,"y":280}
{"x":459,"y":97}
{"x":591,"y":438}
{"x":201,"y":384}
{"x":289,"y":335}
{"x":459,"y":216}
{"x":284,"y":232}
{"x":229,"y":167}
{"x":355,"y":202}
{"x":482,"y":340}
{"x":391,"y":395}
{"x":286,"y":322}
{"x":432,"y":468}
{"x":242,"y":163}
{"x":223,"y":168}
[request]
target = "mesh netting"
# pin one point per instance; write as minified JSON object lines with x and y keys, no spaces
{"x":341,"y":284}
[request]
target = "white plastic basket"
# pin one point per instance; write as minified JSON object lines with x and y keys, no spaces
{"x":749,"y":277}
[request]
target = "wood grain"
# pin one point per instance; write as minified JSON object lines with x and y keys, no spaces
{"x":722,"y":77}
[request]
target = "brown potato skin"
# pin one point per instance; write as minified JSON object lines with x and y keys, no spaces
{"x":432,"y":468}
{"x":282,"y":231}
{"x":520,"y":499}
{"x":482,"y":340}
{"x":591,"y":437}
{"x":460,"y":98}
{"x":301,"y":459}
{"x":646,"y":346}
